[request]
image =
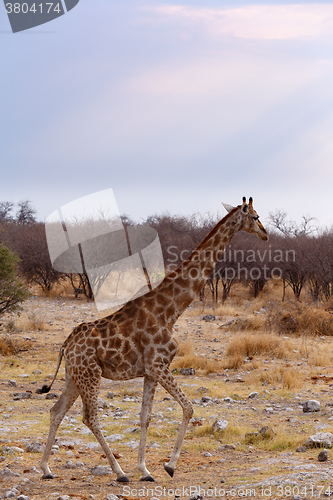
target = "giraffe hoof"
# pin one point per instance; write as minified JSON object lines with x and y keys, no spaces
{"x":147,"y":478}
{"x":123,"y":479}
{"x":47,"y":476}
{"x":169,"y":470}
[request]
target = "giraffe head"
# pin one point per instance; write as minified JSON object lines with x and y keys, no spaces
{"x":250,"y":219}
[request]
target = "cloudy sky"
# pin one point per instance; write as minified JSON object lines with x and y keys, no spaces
{"x":176,"y":105}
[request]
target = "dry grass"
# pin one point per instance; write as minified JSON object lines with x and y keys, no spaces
{"x":271,"y":375}
{"x":233,"y":361}
{"x":292,"y":378}
{"x":9,"y":346}
{"x":31,"y":321}
{"x":259,"y":344}
{"x":320,"y":358}
{"x":274,"y":440}
{"x":253,"y":322}
{"x":300,"y":318}
{"x":187,"y":358}
{"x":271,"y":438}
{"x":268,"y":313}
{"x":287,"y":377}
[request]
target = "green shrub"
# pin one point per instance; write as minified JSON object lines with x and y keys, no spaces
{"x":12,"y":290}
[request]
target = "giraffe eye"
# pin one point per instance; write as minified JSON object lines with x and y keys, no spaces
{"x":256,"y":217}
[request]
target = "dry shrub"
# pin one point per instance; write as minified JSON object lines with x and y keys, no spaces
{"x":292,"y":378}
{"x":265,"y":434}
{"x":259,"y":344}
{"x":185,"y":349}
{"x":316,"y":320}
{"x":203,"y":430}
{"x":299,"y":318}
{"x":187,"y":358}
{"x":32,"y":322}
{"x":252,"y":322}
{"x":288,"y":324}
{"x":288,"y":377}
{"x":6,"y":347}
{"x":35,"y":322}
{"x":211,"y":366}
{"x":227,"y":310}
{"x":318,"y":358}
{"x":272,"y":375}
{"x":233,"y":362}
{"x":9,"y":347}
{"x":12,"y":327}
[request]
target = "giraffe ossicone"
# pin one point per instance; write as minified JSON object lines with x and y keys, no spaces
{"x":136,"y":341}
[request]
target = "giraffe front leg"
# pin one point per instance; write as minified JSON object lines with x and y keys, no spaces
{"x":149,"y":388}
{"x":167,"y":381}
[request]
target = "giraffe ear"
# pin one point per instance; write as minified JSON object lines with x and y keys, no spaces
{"x":227,"y":207}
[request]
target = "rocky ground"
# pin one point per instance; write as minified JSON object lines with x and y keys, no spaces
{"x":235,"y":461}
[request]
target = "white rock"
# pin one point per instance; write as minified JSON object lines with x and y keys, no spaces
{"x":253,"y":395}
{"x":229,"y":400}
{"x":35,"y":447}
{"x":324,"y":439}
{"x":226,"y":447}
{"x":311,"y":406}
{"x":115,"y":437}
{"x":12,"y":449}
{"x":100,"y":470}
{"x":69,"y":465}
{"x":133,"y":444}
{"x":10,"y":494}
{"x":220,"y":425}
{"x":131,"y":430}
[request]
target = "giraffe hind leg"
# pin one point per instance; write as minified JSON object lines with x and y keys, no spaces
{"x":69,"y":395}
{"x":88,"y":385}
{"x":90,"y":419}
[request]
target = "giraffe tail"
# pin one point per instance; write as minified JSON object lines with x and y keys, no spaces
{"x":46,"y":388}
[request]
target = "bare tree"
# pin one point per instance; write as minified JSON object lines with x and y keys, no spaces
{"x":319,"y":264}
{"x":179,"y":235}
{"x":6,"y":211}
{"x":278,"y":220}
{"x":26,"y":214}
{"x":35,"y":260}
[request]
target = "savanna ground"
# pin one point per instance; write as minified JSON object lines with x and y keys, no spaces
{"x":283,"y":351}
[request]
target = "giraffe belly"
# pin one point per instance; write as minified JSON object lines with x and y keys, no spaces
{"x":122,"y":371}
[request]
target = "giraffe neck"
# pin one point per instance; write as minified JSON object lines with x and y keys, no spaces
{"x":189,"y":278}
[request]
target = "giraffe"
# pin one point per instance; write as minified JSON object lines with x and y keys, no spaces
{"x":136,"y":341}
